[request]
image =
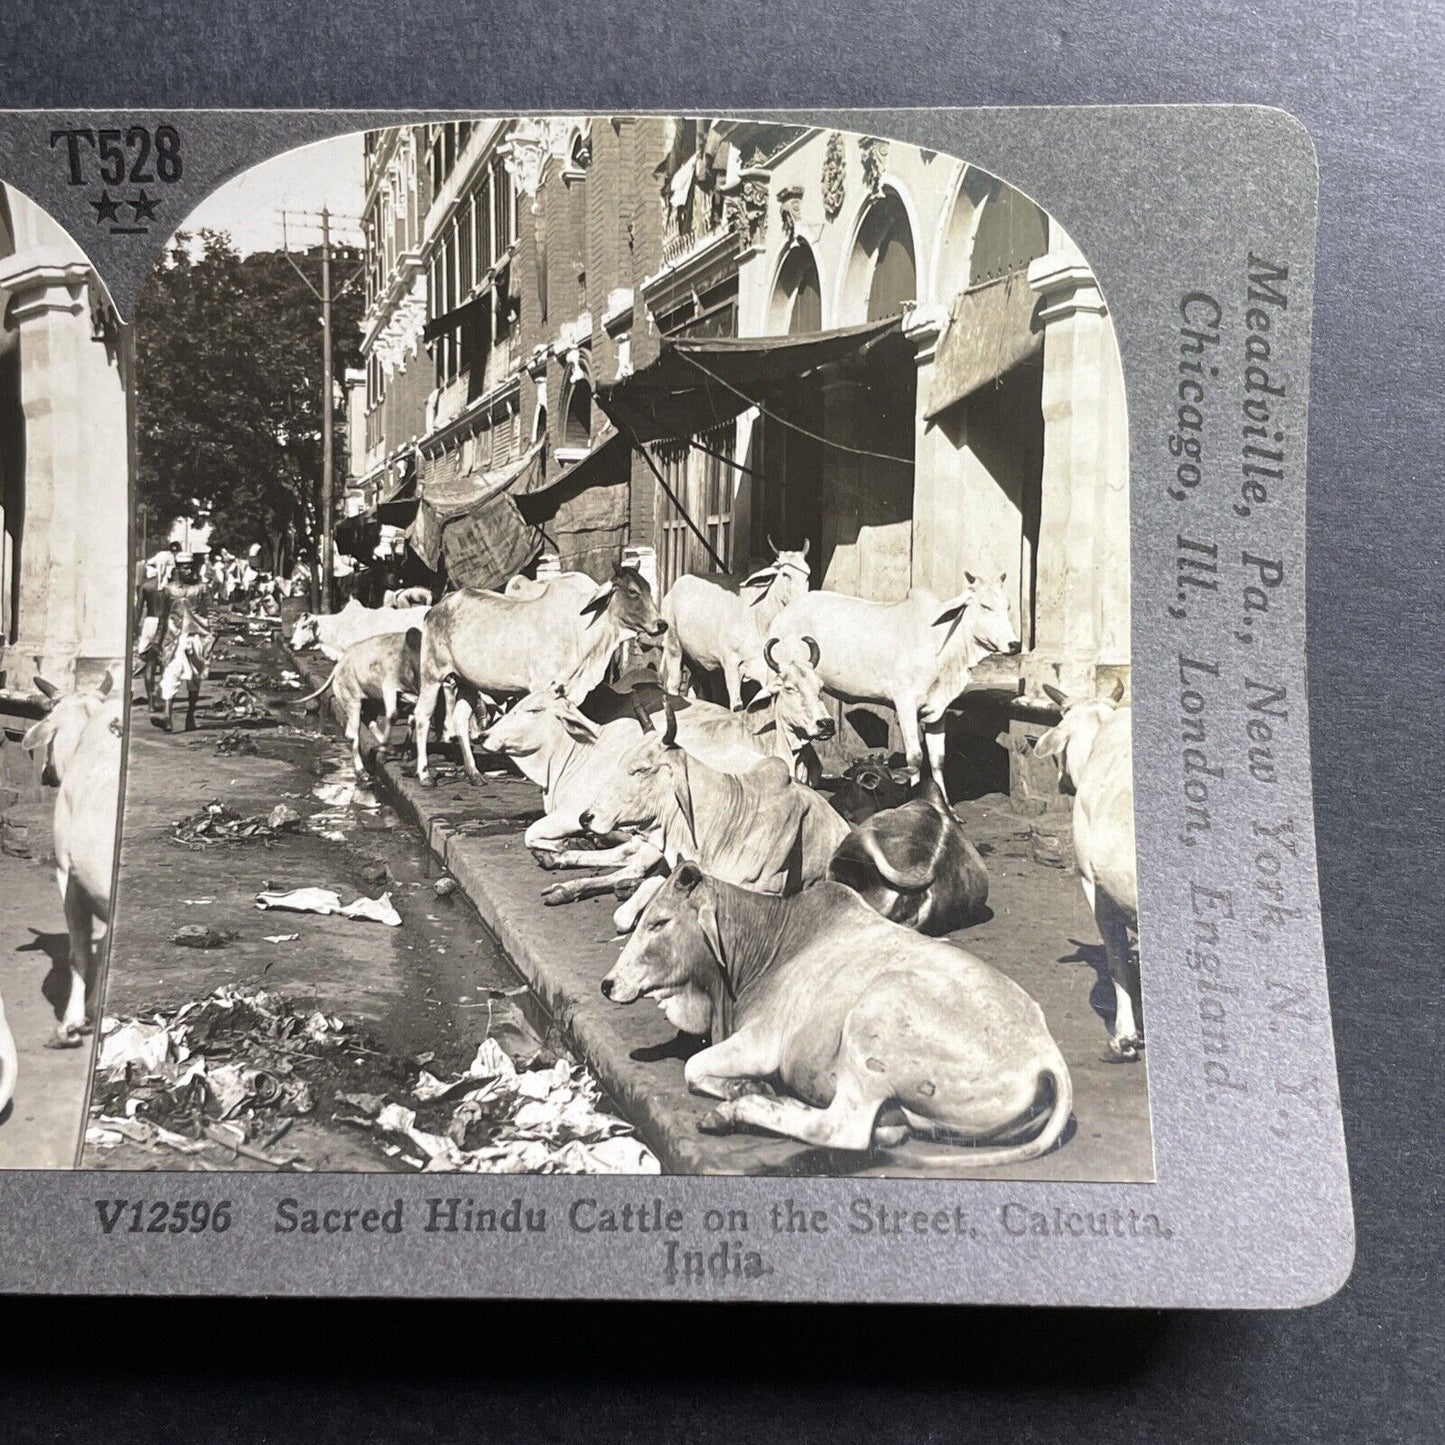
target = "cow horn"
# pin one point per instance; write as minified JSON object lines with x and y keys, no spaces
{"x":814,"y":651}
{"x":773,"y":545}
{"x":48,"y":688}
{"x":768,"y":657}
{"x":669,"y":733}
{"x":1054,"y":695}
{"x":641,"y":713}
{"x":807,"y":542}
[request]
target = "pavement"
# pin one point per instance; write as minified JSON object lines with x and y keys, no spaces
{"x":1041,"y":933}
{"x":41,"y":1128}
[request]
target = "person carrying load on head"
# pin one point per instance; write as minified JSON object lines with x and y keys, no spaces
{"x":187,"y":640}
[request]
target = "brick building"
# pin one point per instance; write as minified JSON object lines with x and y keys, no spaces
{"x":918,"y":377}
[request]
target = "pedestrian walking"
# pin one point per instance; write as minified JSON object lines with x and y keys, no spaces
{"x":187,"y":642}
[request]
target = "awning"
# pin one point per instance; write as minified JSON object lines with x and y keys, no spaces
{"x":695,"y":384}
{"x":456,"y":318}
{"x":990,"y":332}
{"x":585,"y":508}
{"x":605,"y":465}
{"x":473,"y":525}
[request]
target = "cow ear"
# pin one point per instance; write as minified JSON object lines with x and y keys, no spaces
{"x":759,"y":700}
{"x":682,"y":792}
{"x":48,"y":688}
{"x":1049,"y":744}
{"x":580,"y":726}
{"x":707,"y":921}
{"x":598,"y":601}
{"x":38,"y":735}
{"x":687,"y":875}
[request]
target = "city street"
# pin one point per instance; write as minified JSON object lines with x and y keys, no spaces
{"x":436,"y":985}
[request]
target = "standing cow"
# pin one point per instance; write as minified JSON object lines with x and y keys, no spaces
{"x":82,"y":736}
{"x":721,"y":621}
{"x":380,"y":669}
{"x":503,"y":645}
{"x":1094,"y":746}
{"x":916,"y":655}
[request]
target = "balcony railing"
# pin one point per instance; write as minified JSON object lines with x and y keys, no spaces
{"x":688,"y":228}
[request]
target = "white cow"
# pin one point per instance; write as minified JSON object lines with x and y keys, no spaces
{"x":380,"y":669}
{"x":1094,"y":746}
{"x":721,"y":621}
{"x":916,"y":655}
{"x":83,"y":736}
{"x":502,"y":645}
{"x":335,"y":632}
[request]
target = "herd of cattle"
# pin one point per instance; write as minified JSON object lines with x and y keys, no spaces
{"x":798,"y":932}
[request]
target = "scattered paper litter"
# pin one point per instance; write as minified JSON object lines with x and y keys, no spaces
{"x":282,"y":937}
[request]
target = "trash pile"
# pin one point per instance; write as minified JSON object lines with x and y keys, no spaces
{"x":239,"y":1068}
{"x":216,"y":823}
{"x":236,"y":743}
{"x":238,"y":704}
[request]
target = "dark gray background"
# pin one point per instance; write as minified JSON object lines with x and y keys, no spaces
{"x":1367,"y":81}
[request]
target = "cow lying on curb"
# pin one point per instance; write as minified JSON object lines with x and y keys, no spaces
{"x":759,"y":829}
{"x":573,"y":759}
{"x":377,"y":668}
{"x":914,"y":865}
{"x":83,"y":737}
{"x":852,"y":1015}
{"x":1094,"y":746}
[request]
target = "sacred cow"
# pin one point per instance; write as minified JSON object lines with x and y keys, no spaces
{"x":914,"y":865}
{"x":333,"y":633}
{"x":760,"y":829}
{"x":381,"y":669}
{"x":1093,"y":744}
{"x":720,"y":621}
{"x":82,"y":736}
{"x":916,"y":655}
{"x":853,"y":1016}
{"x":502,"y":645}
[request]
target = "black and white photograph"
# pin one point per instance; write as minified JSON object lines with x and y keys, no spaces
{"x":65,"y":381}
{"x":632,"y":669}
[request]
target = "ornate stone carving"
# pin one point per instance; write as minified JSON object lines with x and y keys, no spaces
{"x":874,"y":153}
{"x":747,"y":212}
{"x":835,"y":166}
{"x":536,"y":140}
{"x":790,"y":209}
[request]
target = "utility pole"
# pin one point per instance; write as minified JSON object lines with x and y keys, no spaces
{"x":328,"y":449}
{"x":327,"y":458}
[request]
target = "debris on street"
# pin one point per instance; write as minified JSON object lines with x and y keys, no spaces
{"x":216,"y":823}
{"x":231,"y":1074}
{"x":197,"y":935}
{"x":236,"y":743}
{"x":324,"y":901}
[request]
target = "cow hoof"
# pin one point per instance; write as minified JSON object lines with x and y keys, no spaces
{"x":716,"y":1121}
{"x":1126,"y":1049}
{"x":475,"y":779}
{"x":425,"y":780}
{"x":554,"y":896}
{"x":544,"y":859}
{"x":65,"y":1038}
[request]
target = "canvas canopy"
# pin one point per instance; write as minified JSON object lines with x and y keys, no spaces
{"x":697,"y":383}
{"x":991,"y":331}
{"x":473,"y":526}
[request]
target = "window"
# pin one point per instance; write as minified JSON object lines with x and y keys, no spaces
{"x":705,"y":485}
{"x":465,"y":252}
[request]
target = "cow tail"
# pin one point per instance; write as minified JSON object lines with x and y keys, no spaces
{"x":9,"y":1062}
{"x":963,"y":1157}
{"x":324,"y":686}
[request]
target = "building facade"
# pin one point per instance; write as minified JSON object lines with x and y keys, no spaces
{"x":972,"y":420}
{"x":64,"y":471}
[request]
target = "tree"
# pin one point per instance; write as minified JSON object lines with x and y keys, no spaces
{"x":228,"y":395}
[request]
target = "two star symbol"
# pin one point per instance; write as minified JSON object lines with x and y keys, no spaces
{"x":108,"y":209}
